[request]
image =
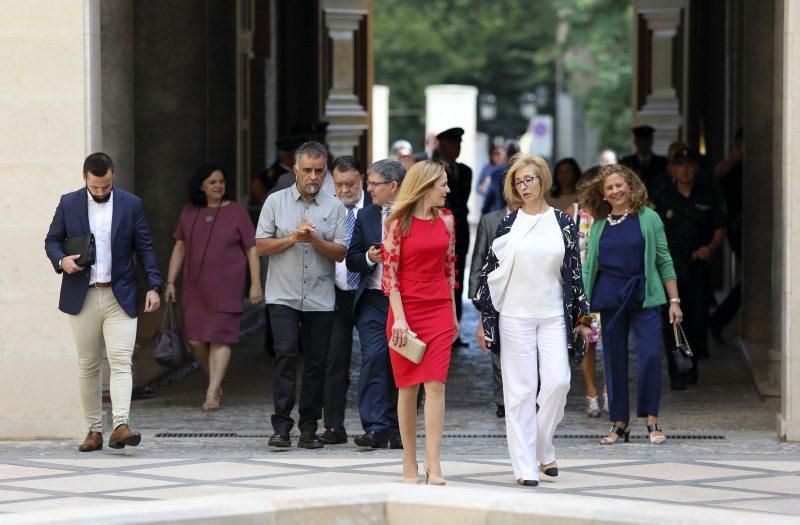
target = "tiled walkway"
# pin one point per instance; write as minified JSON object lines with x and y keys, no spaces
{"x":745,"y":468}
{"x":39,"y":484}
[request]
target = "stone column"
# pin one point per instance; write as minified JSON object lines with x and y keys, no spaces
{"x":450,"y":106}
{"x":380,"y":122}
{"x":759,"y":174}
{"x":116,"y":23}
{"x":659,"y":54}
{"x":787,"y":229}
{"x":344,"y":108}
{"x":49,"y":106}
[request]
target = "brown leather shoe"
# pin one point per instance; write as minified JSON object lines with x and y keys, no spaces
{"x":93,"y":441}
{"x":123,"y":435}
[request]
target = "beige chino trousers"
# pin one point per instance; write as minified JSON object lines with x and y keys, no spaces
{"x":103,"y":324}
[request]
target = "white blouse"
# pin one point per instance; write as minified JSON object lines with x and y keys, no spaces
{"x":527,"y":282}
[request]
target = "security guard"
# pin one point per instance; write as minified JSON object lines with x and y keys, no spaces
{"x":459,"y":178}
{"x":644,"y":162}
{"x":694,"y":223}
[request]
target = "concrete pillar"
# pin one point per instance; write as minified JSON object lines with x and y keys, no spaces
{"x":449,"y":106}
{"x":759,"y":172}
{"x":344,"y":108}
{"x":660,"y":46}
{"x":787,"y":230}
{"x":380,"y":122}
{"x":116,"y":35}
{"x":50,"y":109}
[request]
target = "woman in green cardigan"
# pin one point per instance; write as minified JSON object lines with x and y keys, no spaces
{"x":625,"y":274}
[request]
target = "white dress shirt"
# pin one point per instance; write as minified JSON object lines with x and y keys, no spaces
{"x":100,"y":215}
{"x":341,"y":267}
{"x":374,"y":279}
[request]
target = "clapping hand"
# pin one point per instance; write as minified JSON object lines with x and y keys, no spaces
{"x":304,"y":232}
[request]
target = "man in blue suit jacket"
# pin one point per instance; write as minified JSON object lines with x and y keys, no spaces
{"x":102,"y":299}
{"x":377,"y":393}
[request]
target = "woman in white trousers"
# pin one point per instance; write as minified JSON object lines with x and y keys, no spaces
{"x":533,"y":307}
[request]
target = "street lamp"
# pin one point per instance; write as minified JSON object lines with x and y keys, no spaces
{"x":542,"y":96}
{"x":527,"y":105}
{"x":487,"y":106}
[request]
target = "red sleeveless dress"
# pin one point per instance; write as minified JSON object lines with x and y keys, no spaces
{"x":421,"y":267}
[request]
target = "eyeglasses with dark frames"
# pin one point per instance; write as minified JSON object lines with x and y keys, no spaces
{"x":526,"y":182}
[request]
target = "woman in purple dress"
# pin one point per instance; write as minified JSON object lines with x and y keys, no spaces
{"x":214,"y":246}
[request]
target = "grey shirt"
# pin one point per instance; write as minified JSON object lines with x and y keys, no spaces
{"x":300,"y":277}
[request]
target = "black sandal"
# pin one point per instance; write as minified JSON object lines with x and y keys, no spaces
{"x":656,"y":440}
{"x":624,"y":433}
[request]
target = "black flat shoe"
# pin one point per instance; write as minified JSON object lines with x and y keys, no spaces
{"x":280,"y":440}
{"x":501,"y":411}
{"x":528,"y":482}
{"x":309,"y":440}
{"x":372,"y":440}
{"x":395,"y":441}
{"x":333,"y":437}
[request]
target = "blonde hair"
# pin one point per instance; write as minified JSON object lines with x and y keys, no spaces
{"x":420,"y":177}
{"x":519,"y":162}
{"x":591,"y":196}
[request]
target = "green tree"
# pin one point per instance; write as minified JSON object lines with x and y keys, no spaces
{"x":506,"y":47}
{"x":491,"y":45}
{"x":597,"y":56}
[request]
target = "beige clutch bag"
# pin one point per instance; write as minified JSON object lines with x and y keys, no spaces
{"x":413,"y":349}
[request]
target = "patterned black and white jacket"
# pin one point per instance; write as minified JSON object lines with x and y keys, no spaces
{"x":575,"y":303}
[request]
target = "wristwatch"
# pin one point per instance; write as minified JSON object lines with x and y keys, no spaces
{"x":59,"y":264}
{"x":156,"y":288}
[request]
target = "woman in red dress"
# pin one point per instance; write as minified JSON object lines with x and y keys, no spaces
{"x":419,"y":277}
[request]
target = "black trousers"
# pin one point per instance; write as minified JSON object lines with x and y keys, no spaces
{"x":288,"y":325}
{"x":337,"y":368}
{"x":462,"y":247}
{"x":693,"y":285}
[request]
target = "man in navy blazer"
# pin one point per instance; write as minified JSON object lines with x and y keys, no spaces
{"x":102,"y":299}
{"x":377,"y":393}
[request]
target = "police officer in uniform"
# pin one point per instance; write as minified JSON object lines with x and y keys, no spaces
{"x":644,"y":162}
{"x":459,"y":178}
{"x":694,"y":223}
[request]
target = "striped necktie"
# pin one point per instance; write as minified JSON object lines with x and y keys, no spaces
{"x":353,"y":278}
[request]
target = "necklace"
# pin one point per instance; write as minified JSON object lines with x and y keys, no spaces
{"x":211,"y":219}
{"x":613,"y":222}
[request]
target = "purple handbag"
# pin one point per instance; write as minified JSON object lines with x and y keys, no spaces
{"x":169,"y":349}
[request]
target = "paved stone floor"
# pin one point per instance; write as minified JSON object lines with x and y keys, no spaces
{"x":722,"y":450}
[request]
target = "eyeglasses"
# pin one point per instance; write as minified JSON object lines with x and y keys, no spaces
{"x":527,"y":181}
{"x":373,"y":184}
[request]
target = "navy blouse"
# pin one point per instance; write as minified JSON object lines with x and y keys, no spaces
{"x":620,"y":259}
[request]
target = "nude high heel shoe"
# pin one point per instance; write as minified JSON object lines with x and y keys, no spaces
{"x":430,"y":479}
{"x":414,"y":480}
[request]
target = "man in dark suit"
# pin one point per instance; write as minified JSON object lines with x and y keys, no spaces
{"x":349,"y":184}
{"x":459,"y":178}
{"x":377,"y":393}
{"x":487,"y":228}
{"x":102,"y":300}
{"x":644,"y":162}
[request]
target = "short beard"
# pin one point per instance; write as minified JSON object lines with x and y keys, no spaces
{"x":100,"y":200}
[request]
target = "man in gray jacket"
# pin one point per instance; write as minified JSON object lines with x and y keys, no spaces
{"x":487,"y":228}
